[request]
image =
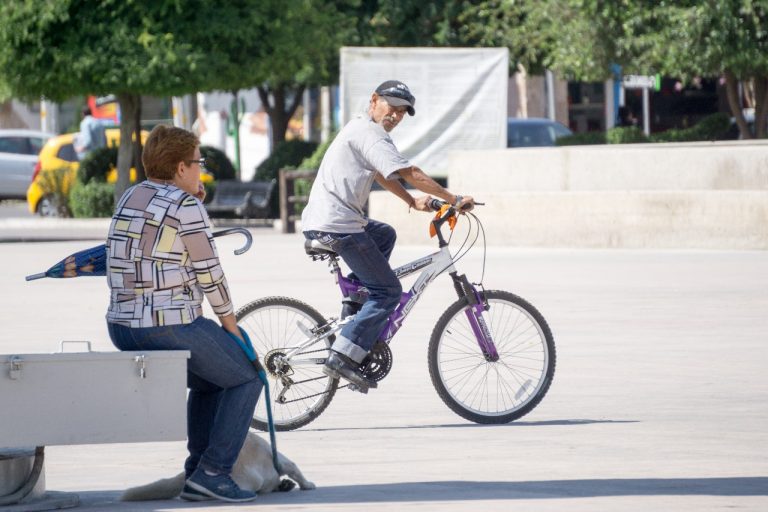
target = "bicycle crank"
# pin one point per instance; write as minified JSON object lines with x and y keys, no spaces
{"x":378,"y":362}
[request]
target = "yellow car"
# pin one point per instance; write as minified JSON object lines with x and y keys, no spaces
{"x":56,"y":171}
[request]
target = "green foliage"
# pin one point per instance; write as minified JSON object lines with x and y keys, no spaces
{"x":313,"y":161}
{"x":625,"y":135}
{"x":287,"y":154}
{"x":218,"y":163}
{"x":96,"y":165}
{"x":581,"y":139}
{"x":70,"y":47}
{"x":94,"y":199}
{"x":712,"y":127}
{"x":301,"y":187}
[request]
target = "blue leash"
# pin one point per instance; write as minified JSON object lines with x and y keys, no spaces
{"x":247,"y":347}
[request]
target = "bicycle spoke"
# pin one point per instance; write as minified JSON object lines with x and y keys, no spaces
{"x":486,"y":388}
{"x":299,"y":389}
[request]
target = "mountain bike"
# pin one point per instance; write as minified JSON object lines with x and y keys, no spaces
{"x":491,"y":354}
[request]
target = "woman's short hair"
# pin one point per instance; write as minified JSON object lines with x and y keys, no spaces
{"x":166,"y":146}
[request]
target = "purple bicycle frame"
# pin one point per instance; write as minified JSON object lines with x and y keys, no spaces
{"x":408,"y":299}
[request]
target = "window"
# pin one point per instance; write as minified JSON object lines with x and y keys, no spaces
{"x":67,"y":153}
{"x":17,"y":145}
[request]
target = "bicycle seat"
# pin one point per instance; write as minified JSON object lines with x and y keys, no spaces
{"x":316,"y":248}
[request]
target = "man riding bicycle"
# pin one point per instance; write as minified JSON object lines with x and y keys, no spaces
{"x":361,"y":153}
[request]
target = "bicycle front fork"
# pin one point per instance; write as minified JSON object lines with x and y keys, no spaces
{"x":477,"y":304}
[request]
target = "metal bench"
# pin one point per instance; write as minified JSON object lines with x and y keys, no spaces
{"x":82,"y":398}
{"x":247,"y":199}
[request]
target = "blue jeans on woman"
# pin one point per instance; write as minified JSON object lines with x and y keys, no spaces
{"x":224,"y":387}
{"x":367,"y":255}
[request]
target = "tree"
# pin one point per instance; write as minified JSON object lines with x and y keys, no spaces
{"x":687,"y":38}
{"x":278,"y":46}
{"x":78,"y":47}
{"x":728,"y":38}
{"x":167,"y":47}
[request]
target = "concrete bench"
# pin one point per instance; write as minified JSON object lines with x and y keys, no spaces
{"x":82,"y":398}
{"x":248,"y":199}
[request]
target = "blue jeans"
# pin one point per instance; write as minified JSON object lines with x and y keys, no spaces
{"x":224,"y":387}
{"x":367,"y":255}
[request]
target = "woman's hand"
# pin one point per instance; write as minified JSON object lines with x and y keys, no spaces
{"x":200,"y":191}
{"x":229,"y":323}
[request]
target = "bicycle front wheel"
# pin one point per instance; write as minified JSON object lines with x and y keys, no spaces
{"x":498,"y":391}
{"x":299,"y":389}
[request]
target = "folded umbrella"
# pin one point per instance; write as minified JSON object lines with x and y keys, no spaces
{"x":90,"y":262}
{"x":93,"y":261}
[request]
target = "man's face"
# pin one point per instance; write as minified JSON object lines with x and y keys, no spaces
{"x":385,"y":114}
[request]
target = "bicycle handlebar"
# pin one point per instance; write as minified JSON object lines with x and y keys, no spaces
{"x":436,"y":204}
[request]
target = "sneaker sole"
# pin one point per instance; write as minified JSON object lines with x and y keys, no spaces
{"x":195,"y":497}
{"x":199,"y":488}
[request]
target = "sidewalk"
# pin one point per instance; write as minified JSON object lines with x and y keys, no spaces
{"x":658,"y":401}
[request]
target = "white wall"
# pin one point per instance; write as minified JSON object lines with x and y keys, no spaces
{"x":694,"y":195}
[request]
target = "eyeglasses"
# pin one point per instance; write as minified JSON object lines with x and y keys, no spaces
{"x":200,"y":162}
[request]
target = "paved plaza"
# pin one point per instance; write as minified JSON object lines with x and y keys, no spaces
{"x":659,"y":400}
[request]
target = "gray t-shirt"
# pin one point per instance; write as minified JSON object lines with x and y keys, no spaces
{"x":361,"y":149}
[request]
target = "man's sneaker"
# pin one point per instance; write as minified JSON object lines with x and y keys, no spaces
{"x":340,"y":366}
{"x":221,"y":487}
{"x":189,"y":494}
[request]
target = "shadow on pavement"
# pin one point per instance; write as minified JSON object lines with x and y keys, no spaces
{"x":476,"y":425}
{"x":475,"y":491}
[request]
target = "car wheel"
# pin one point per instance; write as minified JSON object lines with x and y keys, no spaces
{"x":49,"y":207}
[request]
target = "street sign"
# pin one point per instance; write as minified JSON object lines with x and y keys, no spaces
{"x":640,"y":81}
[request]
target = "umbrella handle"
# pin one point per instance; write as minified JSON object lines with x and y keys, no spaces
{"x":242,"y":231}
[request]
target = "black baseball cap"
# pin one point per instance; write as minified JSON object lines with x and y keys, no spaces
{"x":397,"y":94}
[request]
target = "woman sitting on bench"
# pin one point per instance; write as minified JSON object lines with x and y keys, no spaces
{"x":161,"y":260}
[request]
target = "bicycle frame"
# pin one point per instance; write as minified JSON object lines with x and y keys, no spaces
{"x":431,"y":266}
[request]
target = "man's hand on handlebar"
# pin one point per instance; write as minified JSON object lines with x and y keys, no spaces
{"x":422,"y":204}
{"x":465,"y":204}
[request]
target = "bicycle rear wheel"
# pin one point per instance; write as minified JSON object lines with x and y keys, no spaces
{"x":492,"y":391}
{"x":275,"y":326}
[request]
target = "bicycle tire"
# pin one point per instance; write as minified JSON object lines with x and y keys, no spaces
{"x":492,"y":392}
{"x":271,"y":323}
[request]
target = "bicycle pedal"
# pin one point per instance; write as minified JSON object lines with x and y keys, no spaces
{"x":354,"y":387}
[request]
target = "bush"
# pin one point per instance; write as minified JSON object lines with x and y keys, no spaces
{"x":625,"y":135}
{"x":94,"y":199}
{"x":218,"y":163}
{"x":96,"y":165}
{"x":581,"y":139}
{"x":287,"y":154}
{"x":712,"y":127}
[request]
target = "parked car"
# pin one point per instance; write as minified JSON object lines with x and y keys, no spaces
{"x":59,"y":153}
{"x":18,"y":156}
{"x":534,"y":131}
